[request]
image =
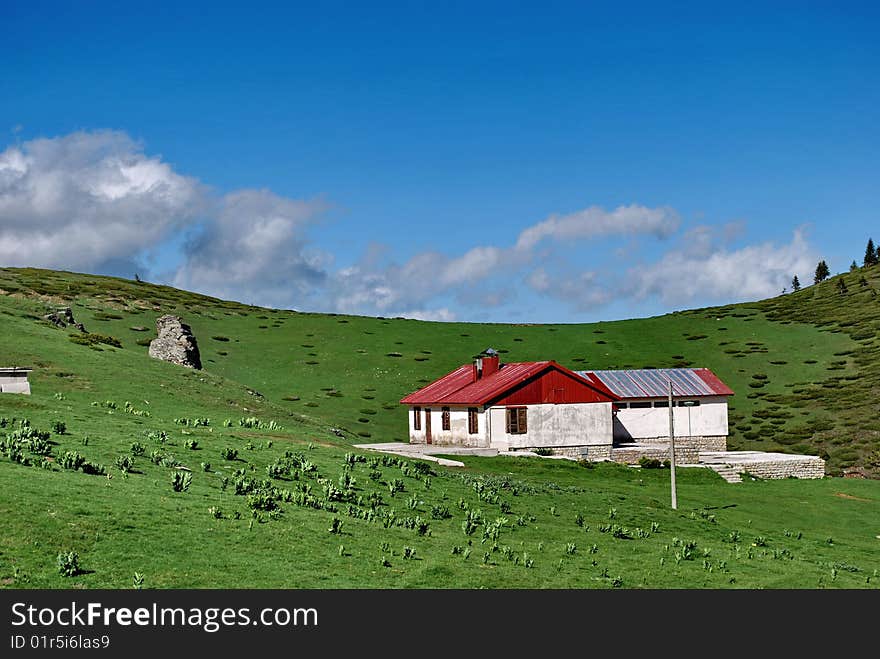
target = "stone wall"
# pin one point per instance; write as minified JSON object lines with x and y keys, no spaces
{"x":802,"y":467}
{"x":687,"y":449}
{"x":586,"y":452}
{"x":702,"y":442}
{"x":684,"y":454}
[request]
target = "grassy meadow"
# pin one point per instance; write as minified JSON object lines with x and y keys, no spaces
{"x":242,"y":475}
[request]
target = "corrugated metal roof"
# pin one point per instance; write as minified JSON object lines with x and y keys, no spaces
{"x":458,"y":387}
{"x":654,"y":382}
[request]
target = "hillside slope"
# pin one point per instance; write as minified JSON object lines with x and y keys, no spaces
{"x":802,"y":365}
{"x":267,"y":495}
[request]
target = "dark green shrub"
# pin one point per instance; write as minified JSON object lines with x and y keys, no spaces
{"x":68,"y":564}
{"x":95,"y":339}
{"x":101,"y":315}
{"x":94,"y":469}
{"x":422,"y":468}
{"x":229,"y":453}
{"x":650,"y":463}
{"x":124,"y":463}
{"x":137,"y":449}
{"x":180,"y":481}
{"x":262,"y":500}
{"x":72,"y":460}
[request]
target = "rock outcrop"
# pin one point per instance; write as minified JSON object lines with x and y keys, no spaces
{"x":175,"y":343}
{"x":63,"y":318}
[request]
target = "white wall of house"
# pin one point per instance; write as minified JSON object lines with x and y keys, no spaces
{"x":708,"y":419}
{"x":14,"y":384}
{"x":457,"y":435}
{"x":554,"y":426}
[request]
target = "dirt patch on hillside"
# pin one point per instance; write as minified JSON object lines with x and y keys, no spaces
{"x":843,"y":495}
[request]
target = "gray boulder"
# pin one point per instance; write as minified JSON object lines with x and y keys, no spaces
{"x":175,"y":343}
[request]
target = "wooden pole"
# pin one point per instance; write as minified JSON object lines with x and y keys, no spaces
{"x":672,"y":449}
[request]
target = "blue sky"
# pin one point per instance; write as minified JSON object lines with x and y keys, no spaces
{"x":508,"y":162}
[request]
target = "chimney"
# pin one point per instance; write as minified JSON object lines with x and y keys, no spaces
{"x":490,"y":364}
{"x":486,"y":364}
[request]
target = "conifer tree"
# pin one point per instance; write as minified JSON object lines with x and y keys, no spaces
{"x":822,"y":272}
{"x":795,"y":284}
{"x":871,"y":255}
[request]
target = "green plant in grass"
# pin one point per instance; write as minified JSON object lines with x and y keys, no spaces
{"x":72,"y":460}
{"x":180,"y":481}
{"x":124,"y":463}
{"x":68,"y":563}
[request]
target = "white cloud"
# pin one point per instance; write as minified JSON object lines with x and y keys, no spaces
{"x":95,"y":201}
{"x":256,"y":249}
{"x":594,"y":222}
{"x":474,"y":265}
{"x":539,"y":280}
{"x":368,"y":287}
{"x":87,"y":199}
{"x":443,"y":314}
{"x":718,"y":273}
{"x":583,"y":291}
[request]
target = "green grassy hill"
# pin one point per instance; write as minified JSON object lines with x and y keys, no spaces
{"x":803,"y":367}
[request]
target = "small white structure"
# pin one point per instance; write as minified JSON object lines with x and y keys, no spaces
{"x":14,"y":380}
{"x":642,"y":411}
{"x":518,"y":406}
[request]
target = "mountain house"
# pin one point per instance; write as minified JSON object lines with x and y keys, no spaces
{"x":543,"y":405}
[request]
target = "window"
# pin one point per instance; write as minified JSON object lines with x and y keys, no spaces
{"x":516,"y":421}
{"x":661,"y":403}
{"x":473,"y":425}
{"x":688,"y":403}
{"x":417,"y":418}
{"x":622,"y":406}
{"x":444,"y":418}
{"x":640,"y":404}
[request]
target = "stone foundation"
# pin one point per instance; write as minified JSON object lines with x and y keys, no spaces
{"x":587,"y":452}
{"x":701,"y":442}
{"x":687,"y":449}
{"x":684,"y":455}
{"x":769,"y":465}
{"x":808,"y":468}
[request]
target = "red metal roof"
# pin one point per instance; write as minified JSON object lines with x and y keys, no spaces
{"x":714,"y":382}
{"x":459,"y":388}
{"x":653,"y":383}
